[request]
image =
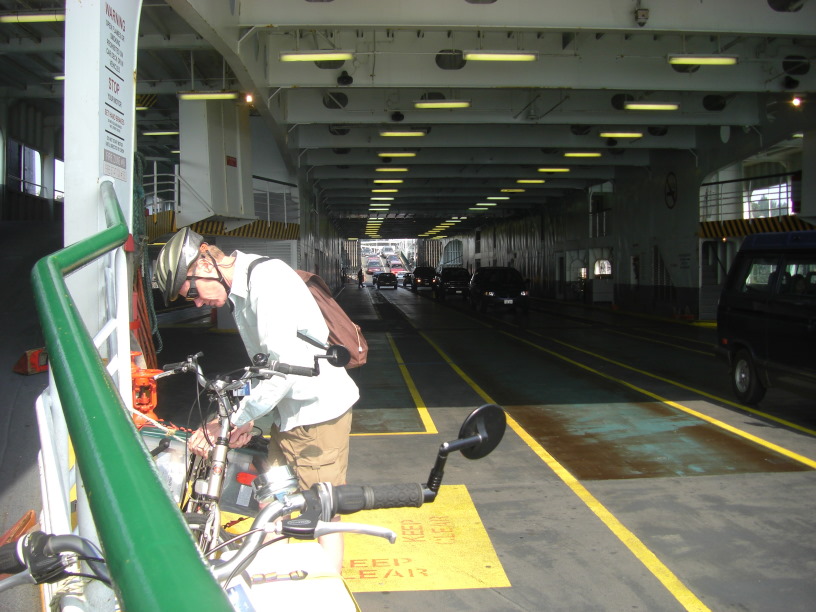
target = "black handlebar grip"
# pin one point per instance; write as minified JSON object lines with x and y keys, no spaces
{"x":352,"y":498}
{"x":9,"y":561}
{"x":285,"y":368}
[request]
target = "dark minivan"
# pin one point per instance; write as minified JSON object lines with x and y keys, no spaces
{"x":498,"y":286}
{"x":422,"y":278}
{"x":451,"y":281}
{"x":766,"y":318}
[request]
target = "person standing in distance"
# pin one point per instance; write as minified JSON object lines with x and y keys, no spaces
{"x":311,"y":415}
{"x":360,"y":278}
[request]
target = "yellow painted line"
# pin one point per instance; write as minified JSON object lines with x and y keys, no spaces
{"x":711,"y":396}
{"x":655,"y":341}
{"x":422,"y":409}
{"x":666,"y":577}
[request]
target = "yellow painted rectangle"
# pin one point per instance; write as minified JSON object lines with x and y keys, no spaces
{"x":440,"y":546}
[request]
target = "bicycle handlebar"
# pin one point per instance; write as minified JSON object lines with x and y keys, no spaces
{"x":38,"y":557}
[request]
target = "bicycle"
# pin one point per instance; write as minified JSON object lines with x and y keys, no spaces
{"x":199,"y":493}
{"x":38,"y":557}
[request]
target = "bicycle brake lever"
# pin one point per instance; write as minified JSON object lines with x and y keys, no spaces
{"x":324,"y":528}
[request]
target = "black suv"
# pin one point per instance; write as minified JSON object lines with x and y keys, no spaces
{"x":500,"y":287}
{"x":422,"y":278}
{"x":766,"y":314}
{"x":451,"y":281}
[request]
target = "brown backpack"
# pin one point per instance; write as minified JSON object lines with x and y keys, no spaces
{"x":342,"y":330}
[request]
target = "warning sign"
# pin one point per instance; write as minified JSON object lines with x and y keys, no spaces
{"x":440,"y":546}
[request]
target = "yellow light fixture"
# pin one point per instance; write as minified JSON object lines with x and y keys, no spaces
{"x":385,"y":191}
{"x":442,"y":104}
{"x":530,"y":181}
{"x":582,"y":154}
{"x":553,"y":169}
{"x":175,"y":151}
{"x":396,"y":154}
{"x":351,"y":239}
{"x":691,"y":59}
{"x":500,"y":56}
{"x":59,"y":77}
{"x":160,"y":133}
{"x":486,"y":204}
{"x":388,"y":181}
{"x":513,"y":190}
{"x":478,"y":208}
{"x":621,"y":134}
{"x":34,"y":17}
{"x":381,"y":198}
{"x":651,"y":106}
{"x":498,"y":197}
{"x":402,"y":133}
{"x":207,"y":95}
{"x":327,"y":55}
{"x":142,"y":108}
{"x":391,"y":169}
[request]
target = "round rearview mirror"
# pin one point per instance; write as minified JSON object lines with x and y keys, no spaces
{"x":338,"y":355}
{"x":487,"y":422}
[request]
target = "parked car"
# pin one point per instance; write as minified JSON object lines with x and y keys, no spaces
{"x":451,"y":281}
{"x":386,"y":279}
{"x":766,"y":316}
{"x":422,"y":278}
{"x":498,"y":287}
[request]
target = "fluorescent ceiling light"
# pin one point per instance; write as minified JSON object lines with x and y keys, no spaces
{"x":167,"y":133}
{"x":390,"y":169}
{"x":799,"y":135}
{"x":513,"y":190}
{"x":553,"y":169}
{"x":142,"y":108}
{"x":175,"y":151}
{"x":480,"y":208}
{"x":486,"y":204}
{"x":498,"y":197}
{"x":442,"y":104}
{"x":351,"y":239}
{"x":657,"y":106}
{"x":59,"y":77}
{"x":385,"y":199}
{"x":385,"y":191}
{"x":396,"y":154}
{"x":530,"y":181}
{"x":621,"y":134}
{"x":402,"y":133}
{"x":207,"y":95}
{"x":582,"y":154}
{"x":703,"y":60}
{"x":500,"y":56}
{"x":388,"y":181}
{"x":34,"y":17}
{"x":326,"y":55}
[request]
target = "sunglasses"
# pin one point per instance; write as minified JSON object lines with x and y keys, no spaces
{"x":192,"y":292}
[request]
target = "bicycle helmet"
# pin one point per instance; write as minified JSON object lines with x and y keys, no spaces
{"x":174,"y":260}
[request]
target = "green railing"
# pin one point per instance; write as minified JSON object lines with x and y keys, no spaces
{"x":149,"y":552}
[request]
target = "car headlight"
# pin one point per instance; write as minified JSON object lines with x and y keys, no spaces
{"x":524,"y":293}
{"x":489,"y":293}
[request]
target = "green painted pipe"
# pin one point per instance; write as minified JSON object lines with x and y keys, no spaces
{"x":151,"y":556}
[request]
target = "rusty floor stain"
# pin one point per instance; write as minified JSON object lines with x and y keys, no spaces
{"x":642,"y":440}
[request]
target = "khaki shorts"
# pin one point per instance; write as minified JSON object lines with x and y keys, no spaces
{"x":317,"y":453}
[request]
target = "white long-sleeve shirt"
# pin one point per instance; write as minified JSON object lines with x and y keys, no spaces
{"x":269,"y":313}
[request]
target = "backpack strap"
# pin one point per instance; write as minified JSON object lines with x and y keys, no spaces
{"x":252,"y":265}
{"x":301,"y":333}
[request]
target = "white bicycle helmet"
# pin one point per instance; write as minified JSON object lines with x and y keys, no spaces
{"x":174,"y":260}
